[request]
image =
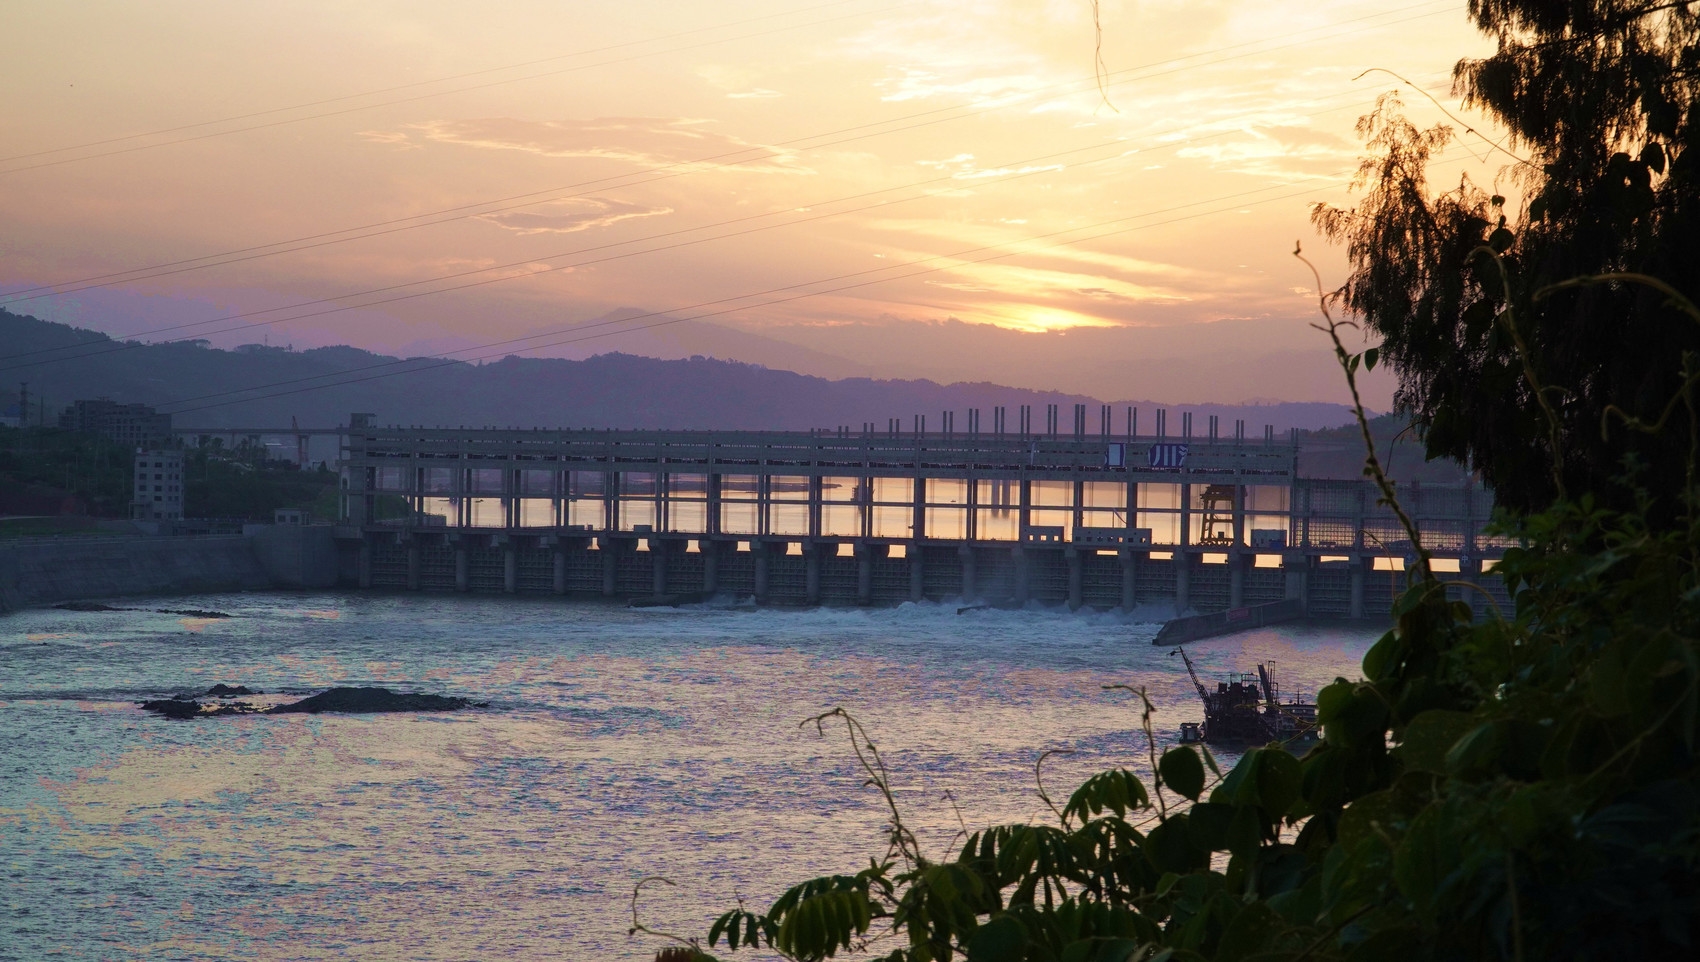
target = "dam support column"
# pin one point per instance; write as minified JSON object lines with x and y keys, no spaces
{"x":917,"y":572}
{"x":560,"y":568}
{"x":710,"y":565}
{"x":1071,"y":555}
{"x":1183,"y":581}
{"x":463,"y":567}
{"x":1356,"y":606}
{"x":1296,"y":568}
{"x":413,"y":564}
{"x":1130,"y":579}
{"x":970,"y":591}
{"x":608,"y":569}
{"x":510,"y":567}
{"x":658,"y":558}
{"x":1021,"y":593}
{"x":864,"y":574}
{"x":1236,"y":579}
{"x":366,"y":561}
{"x":761,"y":552}
{"x":811,"y":572}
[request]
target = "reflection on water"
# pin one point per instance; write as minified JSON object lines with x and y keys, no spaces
{"x":619,"y":744}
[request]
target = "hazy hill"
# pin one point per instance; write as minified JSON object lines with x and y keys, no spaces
{"x":265,"y":386}
{"x":1339,"y":453}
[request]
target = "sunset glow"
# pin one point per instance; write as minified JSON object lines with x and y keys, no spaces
{"x":813,"y":173}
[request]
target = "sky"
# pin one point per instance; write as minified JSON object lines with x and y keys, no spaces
{"x":961,"y":190}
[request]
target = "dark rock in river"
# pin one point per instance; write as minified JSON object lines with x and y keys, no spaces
{"x":189,"y":708}
{"x":362,"y":700}
{"x":173,"y":707}
{"x":221,"y":690}
{"x":185,"y":612}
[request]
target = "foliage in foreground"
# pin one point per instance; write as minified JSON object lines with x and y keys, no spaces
{"x":1520,"y":788}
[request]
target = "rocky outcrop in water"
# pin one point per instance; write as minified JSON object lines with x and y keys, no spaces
{"x":189,"y":708}
{"x":352,"y":701}
{"x":367,"y":700}
{"x":185,"y":612}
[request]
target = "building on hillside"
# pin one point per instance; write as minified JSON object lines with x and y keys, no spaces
{"x":159,"y":485}
{"x":136,"y":424}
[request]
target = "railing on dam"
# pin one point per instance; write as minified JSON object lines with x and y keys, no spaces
{"x":1103,"y":490}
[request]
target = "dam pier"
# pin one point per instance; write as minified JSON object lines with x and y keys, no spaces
{"x":1213,"y":521}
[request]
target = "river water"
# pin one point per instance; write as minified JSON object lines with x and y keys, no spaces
{"x":618,"y":744}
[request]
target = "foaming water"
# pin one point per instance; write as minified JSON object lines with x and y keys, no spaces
{"x":618,"y":744}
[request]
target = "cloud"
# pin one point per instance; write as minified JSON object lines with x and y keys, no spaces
{"x":759,"y":93}
{"x":571,"y":216}
{"x":395,"y":137}
{"x":644,"y":141}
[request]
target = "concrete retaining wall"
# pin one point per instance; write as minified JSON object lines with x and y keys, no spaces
{"x":47,"y":571}
{"x":295,"y":556}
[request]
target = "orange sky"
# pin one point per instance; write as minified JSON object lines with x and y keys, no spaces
{"x":942,"y":177}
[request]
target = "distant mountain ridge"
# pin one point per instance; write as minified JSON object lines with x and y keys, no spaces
{"x":256,"y":386}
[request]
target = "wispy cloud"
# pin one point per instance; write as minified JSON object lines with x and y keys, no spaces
{"x":571,"y":216}
{"x":644,"y":141}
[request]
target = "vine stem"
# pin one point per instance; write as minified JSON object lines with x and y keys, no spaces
{"x":1150,"y":746}
{"x":902,"y":840}
{"x":1372,"y":462}
{"x":638,"y":926}
{"x":1039,"y":779}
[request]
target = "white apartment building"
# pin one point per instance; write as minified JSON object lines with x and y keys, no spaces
{"x":159,"y":486}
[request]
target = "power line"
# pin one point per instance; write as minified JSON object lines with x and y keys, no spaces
{"x":1122,"y":148}
{"x":679,"y":168}
{"x":445,"y":361}
{"x":417,"y":83}
{"x":404,"y":100}
{"x":1337,"y":175}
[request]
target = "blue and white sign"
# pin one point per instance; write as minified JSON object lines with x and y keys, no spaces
{"x":1116,"y":456}
{"x":1167,"y":455}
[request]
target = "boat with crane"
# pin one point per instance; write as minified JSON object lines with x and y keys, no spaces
{"x":1247,"y":710}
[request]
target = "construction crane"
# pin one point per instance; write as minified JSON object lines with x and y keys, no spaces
{"x":1268,"y":687}
{"x":1217,"y":528}
{"x":1203,"y":692}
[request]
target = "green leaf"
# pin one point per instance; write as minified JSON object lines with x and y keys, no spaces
{"x":1420,"y":862}
{"x":1371,"y":356}
{"x":1253,"y":929}
{"x":1208,"y":823}
{"x":1171,"y":849}
{"x":1368,"y":817}
{"x":1476,"y":751}
{"x":1117,"y":790}
{"x":1003,"y":939}
{"x":1182,"y":771}
{"x":1428,"y":738}
{"x":1278,"y":780}
{"x":1102,"y":950}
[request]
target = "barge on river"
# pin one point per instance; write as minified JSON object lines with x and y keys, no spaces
{"x":1248,"y":710}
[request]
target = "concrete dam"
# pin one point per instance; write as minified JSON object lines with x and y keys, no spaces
{"x":1113,"y":520}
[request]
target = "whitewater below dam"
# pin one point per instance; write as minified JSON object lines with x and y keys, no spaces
{"x":617,"y":744}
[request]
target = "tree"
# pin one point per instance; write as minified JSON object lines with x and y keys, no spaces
{"x":1545,"y":351}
